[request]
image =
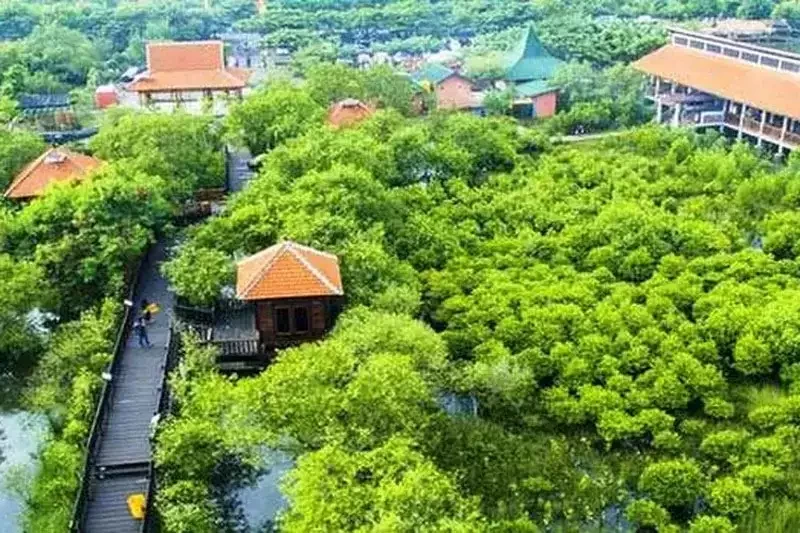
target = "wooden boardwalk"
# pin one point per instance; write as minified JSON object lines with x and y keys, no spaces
{"x":122,"y":456}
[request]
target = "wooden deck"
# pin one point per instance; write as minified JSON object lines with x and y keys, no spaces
{"x":120,"y":459}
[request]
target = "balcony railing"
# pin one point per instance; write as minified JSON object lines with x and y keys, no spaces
{"x":732,"y":120}
{"x":792,"y":139}
{"x":751,"y":125}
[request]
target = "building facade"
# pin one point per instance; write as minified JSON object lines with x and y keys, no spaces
{"x":745,"y":91}
{"x":528,"y":70}
{"x":451,"y":89}
{"x":192,"y":76}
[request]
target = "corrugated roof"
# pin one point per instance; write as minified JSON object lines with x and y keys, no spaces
{"x":183,"y":66}
{"x":288,"y":270}
{"x":349,"y":111}
{"x":533,"y":88}
{"x":734,"y":79}
{"x":433,"y":73}
{"x":54,"y":165}
{"x":530,"y":60}
{"x":43,"y":101}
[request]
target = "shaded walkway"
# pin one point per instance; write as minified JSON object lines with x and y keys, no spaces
{"x":122,"y":456}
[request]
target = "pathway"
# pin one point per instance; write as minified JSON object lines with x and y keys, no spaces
{"x":239,"y":173}
{"x":124,"y":451}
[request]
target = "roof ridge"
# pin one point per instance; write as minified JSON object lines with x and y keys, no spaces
{"x":172,"y":42}
{"x":23,"y":175}
{"x":314,"y":250}
{"x":311,"y":268}
{"x":262,"y":271}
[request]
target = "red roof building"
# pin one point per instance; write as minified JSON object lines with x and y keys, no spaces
{"x":348,"y":112}
{"x":297,"y":292}
{"x":705,"y":81}
{"x":185,"y":72}
{"x":54,"y":165}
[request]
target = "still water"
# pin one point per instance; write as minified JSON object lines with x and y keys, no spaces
{"x":263,"y":502}
{"x":21,"y":434}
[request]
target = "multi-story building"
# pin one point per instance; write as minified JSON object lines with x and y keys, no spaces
{"x":188,"y":75}
{"x":744,"y":90}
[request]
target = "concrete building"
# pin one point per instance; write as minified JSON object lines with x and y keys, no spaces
{"x":744,"y":90}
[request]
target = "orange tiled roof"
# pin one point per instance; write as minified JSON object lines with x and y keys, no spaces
{"x":188,"y":66}
{"x":734,"y":79}
{"x":288,"y":270}
{"x":347,"y":112}
{"x":54,"y":165}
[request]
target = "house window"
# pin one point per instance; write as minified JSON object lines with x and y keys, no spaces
{"x":282,"y":324}
{"x":769,"y":61}
{"x":747,"y":56}
{"x":681,"y":40}
{"x":791,"y":67}
{"x":291,"y":320}
{"x":713,"y":48}
{"x":730,"y":52}
{"x":300,"y":319}
{"x":697,"y":44}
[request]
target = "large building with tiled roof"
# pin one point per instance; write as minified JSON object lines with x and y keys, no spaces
{"x":296,"y":290}
{"x":747,"y":91}
{"x":188,"y":75}
{"x":55,"y":165}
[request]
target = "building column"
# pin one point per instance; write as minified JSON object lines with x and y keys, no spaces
{"x":741,"y":122}
{"x":659,"y":111}
{"x":676,"y":118}
{"x":657,"y":87}
{"x":783,"y":134}
{"x":761,"y":128}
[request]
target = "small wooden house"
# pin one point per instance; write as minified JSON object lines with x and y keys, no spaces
{"x":296,"y":291}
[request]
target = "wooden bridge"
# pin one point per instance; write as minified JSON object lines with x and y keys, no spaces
{"x":119,"y":460}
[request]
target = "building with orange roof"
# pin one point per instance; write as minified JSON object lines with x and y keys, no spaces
{"x":188,"y":75}
{"x":296,"y":292}
{"x":56,"y":165}
{"x":347,"y":112}
{"x":747,"y":91}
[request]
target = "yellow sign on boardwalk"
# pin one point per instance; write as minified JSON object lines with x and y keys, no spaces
{"x":137,"y":505}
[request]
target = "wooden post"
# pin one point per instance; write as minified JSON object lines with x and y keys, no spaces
{"x":741,"y":122}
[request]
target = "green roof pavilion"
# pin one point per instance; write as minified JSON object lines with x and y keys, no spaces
{"x":530,"y":60}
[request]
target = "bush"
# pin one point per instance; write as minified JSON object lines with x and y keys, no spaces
{"x":675,"y":483}
{"x":646,"y":513}
{"x":731,"y":496}
{"x":712,"y":524}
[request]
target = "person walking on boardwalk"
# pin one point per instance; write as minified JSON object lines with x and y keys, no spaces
{"x":140,"y":327}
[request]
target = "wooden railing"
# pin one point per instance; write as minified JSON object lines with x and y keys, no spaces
{"x":101,"y":412}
